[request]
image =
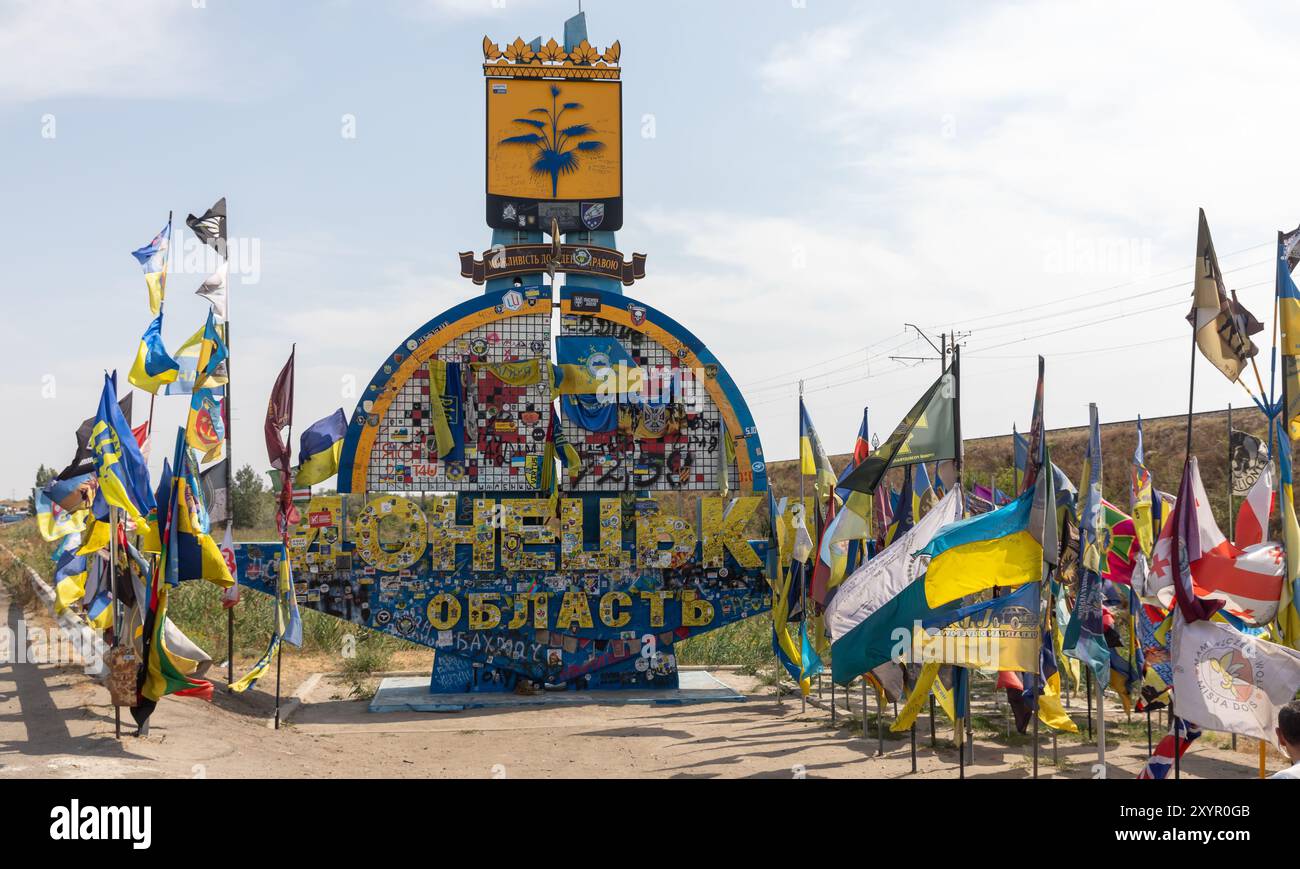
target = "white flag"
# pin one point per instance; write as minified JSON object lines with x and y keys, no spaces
{"x":1229,"y":681}
{"x":214,"y":290}
{"x":884,"y":577}
{"x":803,"y":543}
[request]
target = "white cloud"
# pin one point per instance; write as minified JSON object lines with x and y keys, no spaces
{"x":98,"y":48}
{"x":1006,"y":156}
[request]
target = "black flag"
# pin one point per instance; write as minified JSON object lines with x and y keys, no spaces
{"x":211,"y":227}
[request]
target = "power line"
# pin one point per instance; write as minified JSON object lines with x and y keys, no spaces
{"x":1106,"y":289}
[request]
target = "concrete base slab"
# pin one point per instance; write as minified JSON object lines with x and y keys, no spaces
{"x":411,"y":694}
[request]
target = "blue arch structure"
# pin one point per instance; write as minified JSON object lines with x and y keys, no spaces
{"x":585,"y":628}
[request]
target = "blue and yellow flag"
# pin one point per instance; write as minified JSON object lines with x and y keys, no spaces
{"x":595,"y":366}
{"x":69,"y":581}
{"x":188,"y":552}
{"x":813,"y":461}
{"x":123,"y":474}
{"x":1288,"y":613}
{"x":153,"y":259}
{"x":154,"y":367}
{"x":319,"y":449}
{"x":53,"y":522}
{"x":1140,"y":496}
{"x":206,"y":429}
{"x":1085,"y":636}
{"x":1000,"y":548}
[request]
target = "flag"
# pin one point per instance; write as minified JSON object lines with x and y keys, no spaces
{"x":813,"y":461}
{"x":1288,"y":616}
{"x":83,"y":460}
{"x":319,"y":449}
{"x":886,"y":593}
{"x":279,"y":415}
{"x":447,"y":409}
{"x":1256,"y":510}
{"x":1162,"y":761}
{"x":905,"y":517}
{"x":1229,"y":681}
{"x":926,"y":434}
{"x":780,"y":578}
{"x":288,"y":624}
{"x":1085,"y":635}
{"x":1035,"y":448}
{"x":213,"y":290}
{"x":206,"y":429}
{"x":1196,"y":568}
{"x":1002,"y":633}
{"x":853,"y":522}
{"x":230,"y":596}
{"x":154,"y":367}
{"x":69,"y":581}
{"x":1120,"y":538}
{"x":123,"y":474}
{"x":1222,"y":326}
{"x":191,"y":553}
{"x":595,"y":365}
{"x":1140,"y":495}
{"x":861,"y":452}
{"x":1002,"y":548}
{"x":810,"y":661}
{"x":187,"y":361}
{"x":53,"y":521}
{"x":1288,"y":296}
{"x":214,"y":483}
{"x":153,"y":259}
{"x":211,"y":227}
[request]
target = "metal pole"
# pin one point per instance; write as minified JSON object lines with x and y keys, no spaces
{"x":880,"y":722}
{"x":230,"y":488}
{"x":1087,"y":681}
{"x":1101,"y":726}
{"x":117,"y":609}
{"x":933,"y":740}
{"x":864,"y":708}
{"x":833,"y":701}
{"x":804,"y":591}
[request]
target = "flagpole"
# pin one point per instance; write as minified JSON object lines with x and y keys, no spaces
{"x":803,"y":571}
{"x":230,"y":488}
{"x":162,"y":303}
{"x":967,"y":741}
{"x":285,"y":480}
{"x":117,"y":610}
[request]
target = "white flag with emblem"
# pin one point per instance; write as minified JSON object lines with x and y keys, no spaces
{"x":1229,"y":681}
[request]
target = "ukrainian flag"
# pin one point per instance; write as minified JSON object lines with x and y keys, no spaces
{"x":153,"y":259}
{"x":123,"y":474}
{"x":319,"y":450}
{"x":154,"y":367}
{"x":205,"y":429}
{"x":1001,"y":548}
{"x":813,"y":461}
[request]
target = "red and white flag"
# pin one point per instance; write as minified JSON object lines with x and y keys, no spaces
{"x":1194,"y":565}
{"x":1252,"y":519}
{"x":230,"y":596}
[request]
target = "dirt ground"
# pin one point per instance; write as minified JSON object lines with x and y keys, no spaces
{"x":55,"y":722}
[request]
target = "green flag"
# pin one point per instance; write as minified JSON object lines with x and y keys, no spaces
{"x":926,"y":434}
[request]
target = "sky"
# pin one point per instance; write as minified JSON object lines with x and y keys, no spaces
{"x":806,"y":176}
